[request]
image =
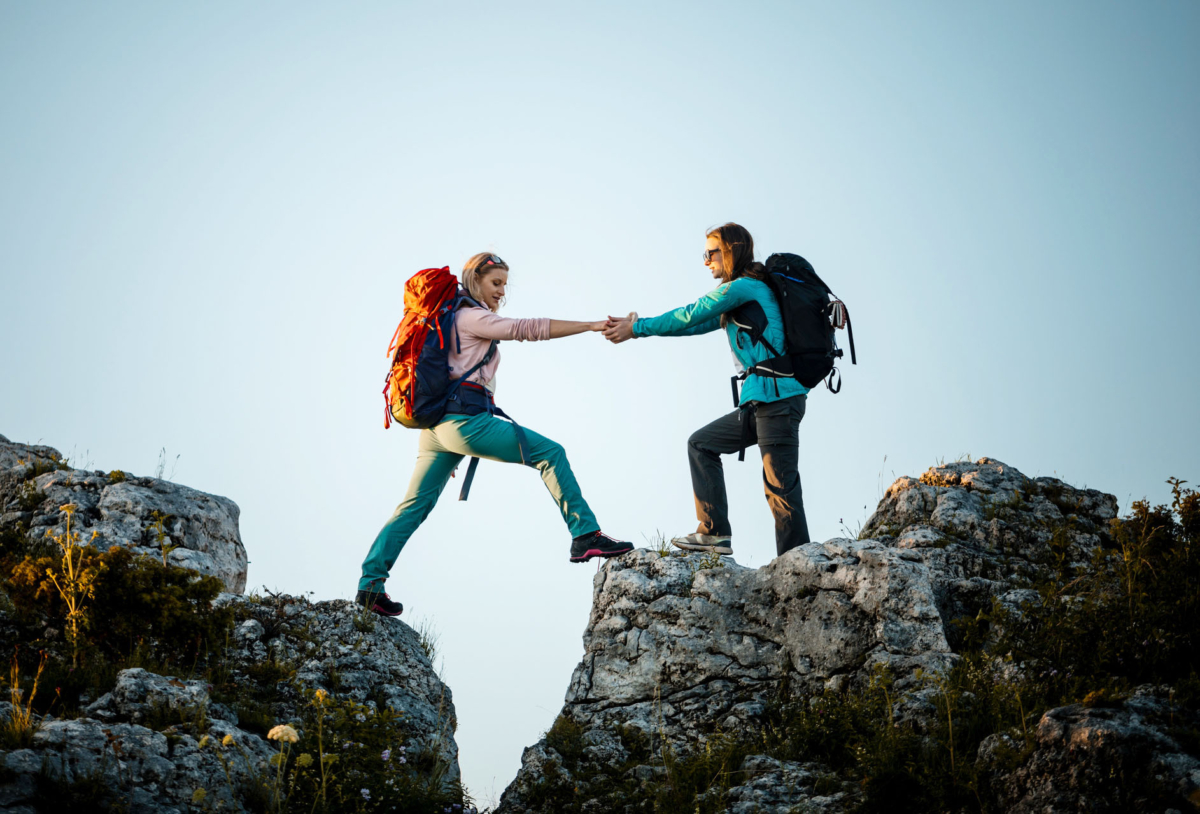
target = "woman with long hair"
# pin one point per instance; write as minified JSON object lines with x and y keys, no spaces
{"x":770,"y":409}
{"x":470,"y":427}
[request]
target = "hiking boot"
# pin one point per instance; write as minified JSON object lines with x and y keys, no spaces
{"x":379,"y":602}
{"x":716,"y":543}
{"x":597,"y":544}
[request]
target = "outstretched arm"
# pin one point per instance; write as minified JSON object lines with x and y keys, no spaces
{"x":563,"y":327}
{"x":700,"y":317}
{"x":487,"y":325}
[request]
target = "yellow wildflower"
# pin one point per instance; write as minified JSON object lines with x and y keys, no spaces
{"x":198,"y":796}
{"x":227,"y":740}
{"x":304,"y":761}
{"x":283,"y":733}
{"x":319,"y":696}
{"x":203,"y":742}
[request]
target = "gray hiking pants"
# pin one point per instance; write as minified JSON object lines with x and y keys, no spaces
{"x":774,"y":426}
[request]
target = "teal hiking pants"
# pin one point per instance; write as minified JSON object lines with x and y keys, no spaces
{"x":440,"y":450}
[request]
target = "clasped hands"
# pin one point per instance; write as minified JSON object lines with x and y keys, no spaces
{"x":619,"y":329}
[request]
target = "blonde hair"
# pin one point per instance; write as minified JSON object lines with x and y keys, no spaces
{"x":473,"y":271}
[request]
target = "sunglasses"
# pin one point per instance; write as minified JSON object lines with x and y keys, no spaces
{"x":708,"y":254}
{"x":491,"y":260}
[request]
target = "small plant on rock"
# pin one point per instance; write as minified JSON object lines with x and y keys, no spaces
{"x":159,"y":527}
{"x":20,"y":727}
{"x":659,"y":544}
{"x":75,"y":582}
{"x":428,"y":637}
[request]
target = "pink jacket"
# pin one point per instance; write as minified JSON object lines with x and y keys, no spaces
{"x":476,"y":328}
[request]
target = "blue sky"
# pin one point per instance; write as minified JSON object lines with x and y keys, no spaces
{"x":207,"y":215}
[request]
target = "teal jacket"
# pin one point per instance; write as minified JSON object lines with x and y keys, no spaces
{"x":704,"y":316}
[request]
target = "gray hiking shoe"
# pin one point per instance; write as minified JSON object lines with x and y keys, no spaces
{"x":716,"y":543}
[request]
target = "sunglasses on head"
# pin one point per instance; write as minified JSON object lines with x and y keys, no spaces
{"x":491,"y":260}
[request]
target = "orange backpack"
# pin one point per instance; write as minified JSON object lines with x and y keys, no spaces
{"x":417,"y":384}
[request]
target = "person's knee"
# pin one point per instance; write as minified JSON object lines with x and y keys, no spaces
{"x":551,"y":452}
{"x":696,"y":442}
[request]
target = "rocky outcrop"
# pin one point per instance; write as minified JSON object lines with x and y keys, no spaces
{"x":333,"y":646}
{"x":673,"y":639}
{"x":114,"y":509}
{"x":1104,"y":760}
{"x":680,"y":647}
{"x":161,"y":742}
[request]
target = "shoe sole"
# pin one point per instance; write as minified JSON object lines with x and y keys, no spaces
{"x":718,"y":548}
{"x":595,"y":552}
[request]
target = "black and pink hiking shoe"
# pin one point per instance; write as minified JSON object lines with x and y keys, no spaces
{"x":597,"y":544}
{"x":379,"y":602}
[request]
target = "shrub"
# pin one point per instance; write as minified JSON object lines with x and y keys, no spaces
{"x":1131,"y":617}
{"x":140,"y":614}
{"x":565,"y":736}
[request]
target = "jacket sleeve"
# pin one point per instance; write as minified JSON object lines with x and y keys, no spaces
{"x":702,"y":316}
{"x":487,"y":325}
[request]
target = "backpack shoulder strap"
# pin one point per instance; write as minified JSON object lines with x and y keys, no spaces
{"x":751,"y":319}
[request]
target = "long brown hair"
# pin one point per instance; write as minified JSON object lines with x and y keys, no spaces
{"x":737,"y":255}
{"x":737,"y":252}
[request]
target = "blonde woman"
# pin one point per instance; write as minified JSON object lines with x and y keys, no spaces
{"x":472,"y":428}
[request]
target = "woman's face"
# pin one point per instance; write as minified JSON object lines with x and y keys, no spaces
{"x":712,"y":258}
{"x":492,"y":284}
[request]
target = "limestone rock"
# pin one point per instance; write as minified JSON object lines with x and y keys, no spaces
{"x":1102,"y":759}
{"x":110,"y":511}
{"x":992,"y":506}
{"x":380,"y":663}
{"x":782,"y":787}
{"x":157,"y":739}
{"x":140,"y":694}
{"x":677,"y":650}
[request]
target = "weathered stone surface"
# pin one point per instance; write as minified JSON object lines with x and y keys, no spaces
{"x":675,"y":648}
{"x":202,"y":527}
{"x":332,"y":650}
{"x":1098,"y":760}
{"x":1004,"y":517}
{"x":679,"y":651}
{"x":143,"y":737}
{"x":783,"y":787}
{"x":140,"y":694}
{"x":151,"y":771}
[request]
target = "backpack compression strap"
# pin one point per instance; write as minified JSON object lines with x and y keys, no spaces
{"x":744,"y":414}
{"x":839,"y":317}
